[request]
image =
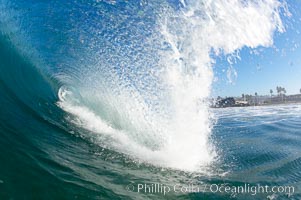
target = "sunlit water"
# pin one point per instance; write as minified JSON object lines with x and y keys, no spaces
{"x":98,"y":96}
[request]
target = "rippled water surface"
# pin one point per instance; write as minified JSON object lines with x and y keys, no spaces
{"x":101,"y":98}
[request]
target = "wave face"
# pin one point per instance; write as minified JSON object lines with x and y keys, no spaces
{"x":136,"y":76}
{"x":97,"y":95}
{"x":146,"y":86}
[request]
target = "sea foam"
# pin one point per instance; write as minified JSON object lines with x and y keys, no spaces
{"x":149,"y":100}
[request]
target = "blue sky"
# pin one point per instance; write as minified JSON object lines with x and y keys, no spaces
{"x":262,"y":69}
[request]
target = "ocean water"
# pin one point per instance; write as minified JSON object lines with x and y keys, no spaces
{"x":108,"y":100}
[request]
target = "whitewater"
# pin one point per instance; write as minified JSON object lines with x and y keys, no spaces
{"x":154,"y":105}
{"x":100,"y":95}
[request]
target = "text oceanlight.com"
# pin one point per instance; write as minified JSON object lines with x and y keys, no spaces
{"x":156,"y":188}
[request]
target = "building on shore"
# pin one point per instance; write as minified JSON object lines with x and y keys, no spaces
{"x":250,"y":100}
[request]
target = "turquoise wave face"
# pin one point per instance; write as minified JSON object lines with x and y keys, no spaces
{"x":103,"y":99}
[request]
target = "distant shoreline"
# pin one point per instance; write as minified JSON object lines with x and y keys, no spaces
{"x":256,"y":101}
